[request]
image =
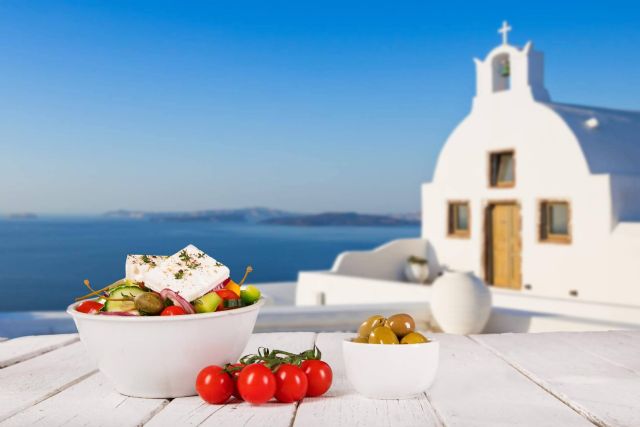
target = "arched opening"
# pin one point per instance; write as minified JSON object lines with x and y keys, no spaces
{"x":501,"y":67}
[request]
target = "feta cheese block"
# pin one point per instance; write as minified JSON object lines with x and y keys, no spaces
{"x":139,"y":265}
{"x":190,"y":273}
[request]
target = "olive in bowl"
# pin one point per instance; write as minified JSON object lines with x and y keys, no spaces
{"x":397,"y":329}
{"x":404,"y":368}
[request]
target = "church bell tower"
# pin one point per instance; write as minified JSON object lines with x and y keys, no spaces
{"x":510,"y":71}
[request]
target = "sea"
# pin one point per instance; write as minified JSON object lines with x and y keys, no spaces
{"x":44,"y":261}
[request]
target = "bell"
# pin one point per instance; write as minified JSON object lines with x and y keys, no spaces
{"x":505,"y":70}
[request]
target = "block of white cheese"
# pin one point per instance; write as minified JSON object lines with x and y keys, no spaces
{"x":139,"y":265}
{"x":190,"y":273}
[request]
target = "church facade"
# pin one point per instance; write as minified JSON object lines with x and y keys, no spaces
{"x":536,"y":196}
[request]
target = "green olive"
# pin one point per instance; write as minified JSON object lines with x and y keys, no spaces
{"x":361,"y":340}
{"x":369,"y":325}
{"x":414,"y":338}
{"x":401,"y":324}
{"x":149,"y":303}
{"x":383,"y":335}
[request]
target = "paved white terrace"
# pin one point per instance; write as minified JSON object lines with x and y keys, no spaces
{"x":551,"y":379}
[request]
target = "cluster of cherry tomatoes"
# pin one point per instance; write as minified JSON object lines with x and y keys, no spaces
{"x":256,"y":379}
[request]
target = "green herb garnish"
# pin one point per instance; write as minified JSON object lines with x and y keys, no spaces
{"x":190,"y":263}
{"x":148,"y":260}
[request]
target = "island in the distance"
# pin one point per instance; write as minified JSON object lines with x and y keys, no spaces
{"x":345,"y":218}
{"x":22,"y":215}
{"x":261,"y":215}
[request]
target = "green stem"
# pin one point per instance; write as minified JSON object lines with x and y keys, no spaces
{"x":274,"y":358}
{"x":248,"y":270}
{"x":99,"y":291}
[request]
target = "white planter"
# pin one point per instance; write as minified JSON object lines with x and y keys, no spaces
{"x":460,"y":303}
{"x":416,"y":272}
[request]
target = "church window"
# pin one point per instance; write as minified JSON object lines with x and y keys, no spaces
{"x":502,"y":169}
{"x":555,"y":222}
{"x":459,"y":219}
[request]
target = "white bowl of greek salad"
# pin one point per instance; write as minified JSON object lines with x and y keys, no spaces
{"x":152,"y":332}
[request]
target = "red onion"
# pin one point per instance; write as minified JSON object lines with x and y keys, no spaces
{"x":177,"y":300}
{"x":221,"y":285}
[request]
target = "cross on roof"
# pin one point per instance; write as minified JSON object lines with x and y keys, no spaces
{"x":504,"y":31}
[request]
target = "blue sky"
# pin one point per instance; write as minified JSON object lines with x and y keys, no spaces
{"x":307,"y":106}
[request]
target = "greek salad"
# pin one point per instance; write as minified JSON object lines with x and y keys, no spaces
{"x":187,"y":282}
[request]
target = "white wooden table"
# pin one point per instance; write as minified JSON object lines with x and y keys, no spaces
{"x":554,"y":379}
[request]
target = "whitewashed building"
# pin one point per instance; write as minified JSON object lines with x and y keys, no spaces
{"x":538,"y":196}
{"x":540,"y":199}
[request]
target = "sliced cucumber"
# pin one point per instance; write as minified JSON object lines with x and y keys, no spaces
{"x":124,"y":283}
{"x":233,"y":303}
{"x":120,"y":293}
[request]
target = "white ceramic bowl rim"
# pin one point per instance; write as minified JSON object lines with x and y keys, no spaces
{"x":183,"y":317}
{"x":391,"y":345}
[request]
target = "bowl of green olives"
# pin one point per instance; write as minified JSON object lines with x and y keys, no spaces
{"x":389,"y":359}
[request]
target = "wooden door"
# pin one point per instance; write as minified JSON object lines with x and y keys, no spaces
{"x":503,"y":246}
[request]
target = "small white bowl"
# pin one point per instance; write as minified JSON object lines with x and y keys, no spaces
{"x":160,"y":356}
{"x":391,"y":371}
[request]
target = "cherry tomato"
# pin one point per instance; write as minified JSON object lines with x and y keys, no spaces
{"x":173,"y":310}
{"x":319,"y":375}
{"x":256,"y":384}
{"x":89,"y":307}
{"x":214,"y":385}
{"x":291,"y":383}
{"x":235,"y":374}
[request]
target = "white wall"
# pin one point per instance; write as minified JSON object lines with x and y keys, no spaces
{"x":386,"y":262}
{"x":512,"y":311}
{"x":328,"y":288}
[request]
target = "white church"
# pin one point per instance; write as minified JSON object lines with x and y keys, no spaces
{"x":539,"y":199}
{"x":535,"y":195}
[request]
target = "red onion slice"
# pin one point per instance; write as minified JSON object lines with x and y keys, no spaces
{"x":177,"y":300}
{"x":221,"y":285}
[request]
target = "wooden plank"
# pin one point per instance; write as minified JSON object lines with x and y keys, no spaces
{"x":92,"y":401}
{"x":24,"y":348}
{"x":342,"y":406}
{"x":572,"y":368}
{"x":618,"y":347}
{"x":32,"y":381}
{"x":474,"y":387}
{"x":193,"y":411}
